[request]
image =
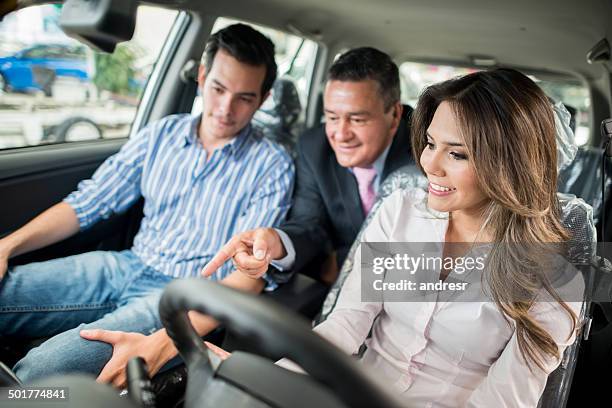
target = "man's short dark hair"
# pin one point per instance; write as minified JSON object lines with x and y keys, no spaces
{"x":247,"y":45}
{"x":360,"y":64}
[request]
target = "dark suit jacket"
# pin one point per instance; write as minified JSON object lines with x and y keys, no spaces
{"x":326,"y":212}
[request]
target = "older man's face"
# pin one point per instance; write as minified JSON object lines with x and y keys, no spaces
{"x":356,"y":124}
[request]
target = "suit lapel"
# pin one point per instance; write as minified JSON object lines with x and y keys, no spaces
{"x":399,"y":155}
{"x":400,"y":152}
{"x":349,"y":194}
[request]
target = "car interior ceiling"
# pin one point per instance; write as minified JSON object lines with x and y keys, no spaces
{"x":406,"y":34}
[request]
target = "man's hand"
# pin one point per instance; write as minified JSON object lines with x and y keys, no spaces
{"x":125,"y":347}
{"x":251,"y":252}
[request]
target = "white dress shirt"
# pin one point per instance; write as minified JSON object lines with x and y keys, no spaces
{"x":440,"y":354}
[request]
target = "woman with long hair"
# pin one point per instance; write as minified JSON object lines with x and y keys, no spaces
{"x":486,"y":143}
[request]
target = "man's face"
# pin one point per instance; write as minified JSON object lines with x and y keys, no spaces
{"x":356,"y":124}
{"x":231,"y":93}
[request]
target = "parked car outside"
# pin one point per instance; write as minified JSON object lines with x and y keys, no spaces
{"x":36,"y":67}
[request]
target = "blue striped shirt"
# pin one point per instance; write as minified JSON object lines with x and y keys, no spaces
{"x":192,"y":205}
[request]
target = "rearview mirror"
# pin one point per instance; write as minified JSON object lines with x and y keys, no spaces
{"x":99,"y":23}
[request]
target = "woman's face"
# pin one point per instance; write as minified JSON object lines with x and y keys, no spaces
{"x":452,"y":181}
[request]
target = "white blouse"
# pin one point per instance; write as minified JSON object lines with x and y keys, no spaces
{"x":440,"y":354}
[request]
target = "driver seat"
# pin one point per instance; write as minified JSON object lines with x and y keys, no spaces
{"x":577,"y":217}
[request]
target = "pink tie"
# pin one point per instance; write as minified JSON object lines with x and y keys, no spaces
{"x":365,"y":181}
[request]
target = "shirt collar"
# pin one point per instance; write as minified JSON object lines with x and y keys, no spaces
{"x":379,"y":163}
{"x":191,"y":136}
{"x":379,"y":166}
{"x":233,"y":146}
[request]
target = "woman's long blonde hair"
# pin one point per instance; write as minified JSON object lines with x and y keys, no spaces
{"x":508,"y":127}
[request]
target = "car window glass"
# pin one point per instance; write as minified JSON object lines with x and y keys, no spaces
{"x":54,"y":89}
{"x":576,"y":98}
{"x":35,"y":52}
{"x":295,"y":57}
{"x":574,"y":95}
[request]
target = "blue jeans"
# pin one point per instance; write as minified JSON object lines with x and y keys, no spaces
{"x":61,"y":297}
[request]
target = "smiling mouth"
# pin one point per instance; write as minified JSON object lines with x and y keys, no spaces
{"x":348,"y":147}
{"x":439,"y":190}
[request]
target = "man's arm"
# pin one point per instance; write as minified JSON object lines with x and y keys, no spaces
{"x":157,"y":349}
{"x":53,"y":225}
{"x":113,"y":188}
{"x":308,"y":222}
{"x":115,"y":185}
{"x":306,"y":230}
{"x":267,"y":208}
{"x":204,"y":324}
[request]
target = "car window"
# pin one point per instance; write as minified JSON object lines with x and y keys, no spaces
{"x":63,"y":52}
{"x":295,"y":57}
{"x":576,"y":98}
{"x":54,"y":89}
{"x":38,"y":52}
{"x":574,"y":95}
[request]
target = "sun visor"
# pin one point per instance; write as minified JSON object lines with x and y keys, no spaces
{"x":99,"y":23}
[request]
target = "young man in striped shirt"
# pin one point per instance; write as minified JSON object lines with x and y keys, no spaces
{"x":204,"y":178}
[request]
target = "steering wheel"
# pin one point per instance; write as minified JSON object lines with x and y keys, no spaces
{"x":279,"y":332}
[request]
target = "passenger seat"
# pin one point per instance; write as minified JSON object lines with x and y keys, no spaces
{"x":278,"y":116}
{"x":582,"y":178}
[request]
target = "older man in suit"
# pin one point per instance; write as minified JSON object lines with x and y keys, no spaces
{"x":340,"y":166}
